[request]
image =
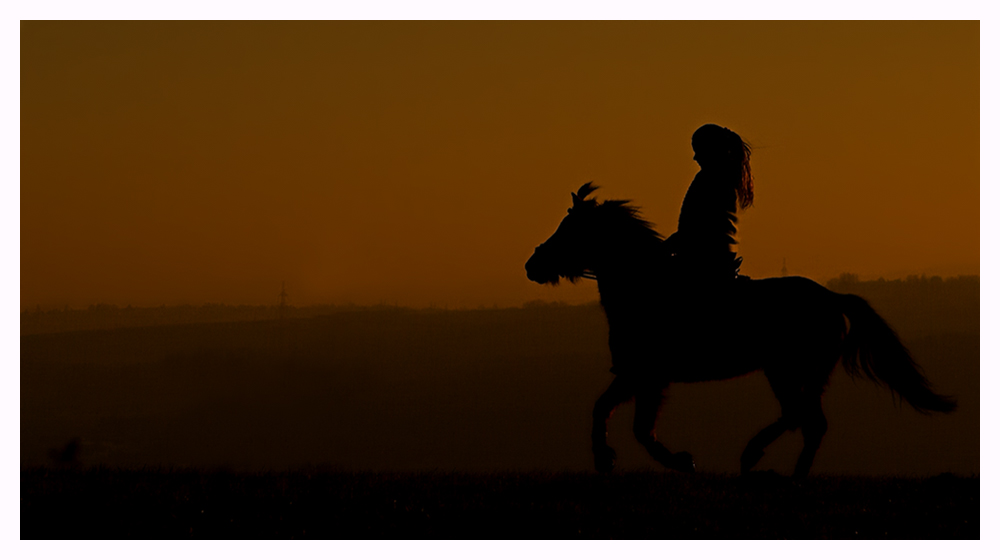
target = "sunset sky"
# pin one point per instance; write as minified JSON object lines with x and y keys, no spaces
{"x":420,"y":163}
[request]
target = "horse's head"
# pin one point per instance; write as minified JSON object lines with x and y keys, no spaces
{"x":594,"y":236}
{"x":567,"y":253}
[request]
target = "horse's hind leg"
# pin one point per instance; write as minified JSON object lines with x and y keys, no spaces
{"x":813,"y":429}
{"x":755,"y":449}
{"x":617,"y":393}
{"x":787,"y":392}
{"x":647,"y":408}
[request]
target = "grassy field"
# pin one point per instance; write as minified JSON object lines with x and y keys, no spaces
{"x":143,"y":504}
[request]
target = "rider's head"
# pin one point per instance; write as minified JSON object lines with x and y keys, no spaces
{"x":720,"y":149}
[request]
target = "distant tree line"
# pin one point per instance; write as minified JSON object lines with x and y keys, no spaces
{"x":847,"y":279}
{"x":960,"y":288}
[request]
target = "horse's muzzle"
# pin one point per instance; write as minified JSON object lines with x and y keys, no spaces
{"x":537,"y":273}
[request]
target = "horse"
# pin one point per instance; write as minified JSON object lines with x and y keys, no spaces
{"x":665,"y":328}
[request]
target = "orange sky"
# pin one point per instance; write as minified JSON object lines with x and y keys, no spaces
{"x":420,"y":163}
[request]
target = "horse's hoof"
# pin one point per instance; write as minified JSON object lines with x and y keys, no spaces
{"x":749,"y":460}
{"x":683,"y":462}
{"x":604,"y":459}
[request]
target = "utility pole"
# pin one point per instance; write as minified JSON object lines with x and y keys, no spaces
{"x":784,"y":269}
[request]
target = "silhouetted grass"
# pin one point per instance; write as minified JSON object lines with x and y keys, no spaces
{"x":140,"y":504}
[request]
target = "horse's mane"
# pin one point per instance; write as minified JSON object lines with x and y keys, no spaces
{"x":623,"y":217}
{"x":626,"y":219}
{"x":620,"y":222}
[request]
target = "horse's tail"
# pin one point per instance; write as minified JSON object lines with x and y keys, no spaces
{"x":873,"y":347}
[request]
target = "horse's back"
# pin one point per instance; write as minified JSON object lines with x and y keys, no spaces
{"x":789,"y":317}
{"x":784,"y":295}
{"x":728,"y":330}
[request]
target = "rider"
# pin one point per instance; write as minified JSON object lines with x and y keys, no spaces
{"x":704,"y":247}
{"x":701,"y":259}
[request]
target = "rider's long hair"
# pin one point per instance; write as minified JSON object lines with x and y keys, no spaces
{"x":722,"y":148}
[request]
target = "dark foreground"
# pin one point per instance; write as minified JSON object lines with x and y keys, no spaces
{"x":157,"y":504}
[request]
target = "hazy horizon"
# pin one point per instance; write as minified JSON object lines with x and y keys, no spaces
{"x":582,"y":292}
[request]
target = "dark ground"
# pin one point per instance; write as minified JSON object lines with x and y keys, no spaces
{"x":186,"y":504}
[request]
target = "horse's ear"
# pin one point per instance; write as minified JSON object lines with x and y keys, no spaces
{"x":585,"y":191}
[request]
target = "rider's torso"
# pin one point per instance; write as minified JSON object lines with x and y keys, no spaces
{"x":707,"y":223}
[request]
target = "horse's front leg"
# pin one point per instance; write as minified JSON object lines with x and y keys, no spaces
{"x":647,"y":408}
{"x":617,"y":393}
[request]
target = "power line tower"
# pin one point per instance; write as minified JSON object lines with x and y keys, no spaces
{"x":784,"y":269}
{"x":282,"y":301}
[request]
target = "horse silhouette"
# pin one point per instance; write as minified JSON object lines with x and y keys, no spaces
{"x":667,"y":326}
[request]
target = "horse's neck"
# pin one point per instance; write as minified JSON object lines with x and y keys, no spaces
{"x":627,"y":277}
